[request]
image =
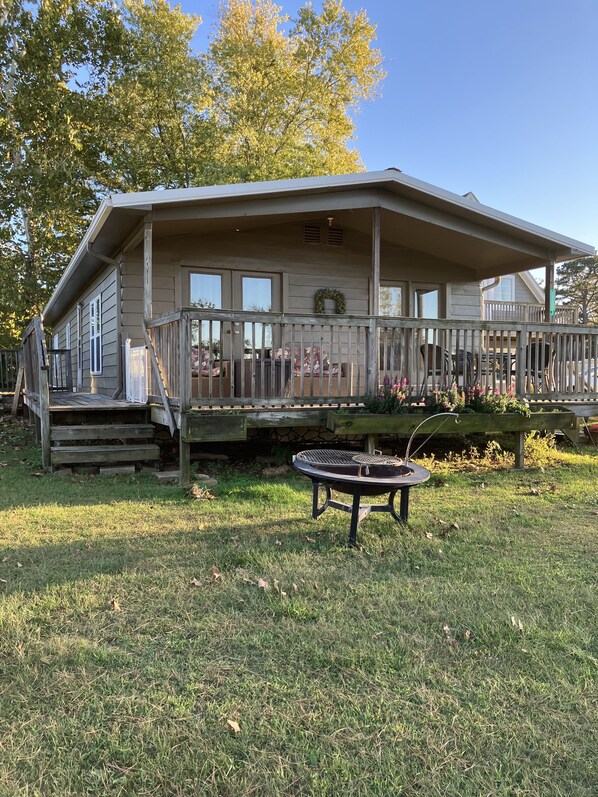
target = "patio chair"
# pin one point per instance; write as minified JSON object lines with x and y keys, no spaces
{"x":437,"y":364}
{"x":538,"y":361}
{"x":464,"y":366}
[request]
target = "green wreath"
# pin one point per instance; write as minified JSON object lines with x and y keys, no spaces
{"x":329,"y":293}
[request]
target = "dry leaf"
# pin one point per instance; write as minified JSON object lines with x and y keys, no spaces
{"x":5,"y":559}
{"x":115,"y":605}
{"x":467,"y":634}
{"x":455,"y":526}
{"x":235,"y":538}
{"x":308,"y":539}
{"x":263,"y":584}
{"x":195,"y":582}
{"x":553,"y":488}
{"x":516,"y":623}
{"x":534,"y":491}
{"x":233,"y":726}
{"x":278,"y":542}
{"x":449,"y":637}
{"x":216,"y":573}
{"x":19,"y":564}
{"x":429,"y":535}
{"x":38,"y":473}
{"x":3,"y":464}
{"x":295,"y":587}
{"x":3,"y":581}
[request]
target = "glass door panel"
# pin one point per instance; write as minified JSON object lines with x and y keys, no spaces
{"x":256,"y":296}
{"x":205,"y":292}
{"x":391,"y":300}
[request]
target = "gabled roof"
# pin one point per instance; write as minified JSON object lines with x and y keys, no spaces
{"x":415,"y":214}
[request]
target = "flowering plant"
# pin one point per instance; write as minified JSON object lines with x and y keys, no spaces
{"x":392,"y":398}
{"x":476,"y":399}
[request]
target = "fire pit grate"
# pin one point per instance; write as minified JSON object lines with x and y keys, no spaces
{"x":330,"y":456}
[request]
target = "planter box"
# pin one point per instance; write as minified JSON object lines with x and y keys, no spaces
{"x":364,"y":423}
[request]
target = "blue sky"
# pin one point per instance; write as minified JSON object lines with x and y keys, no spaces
{"x":495,"y":97}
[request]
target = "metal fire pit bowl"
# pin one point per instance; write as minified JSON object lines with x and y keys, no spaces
{"x":358,"y":475}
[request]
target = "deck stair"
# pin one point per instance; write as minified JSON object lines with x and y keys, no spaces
{"x":94,"y":441}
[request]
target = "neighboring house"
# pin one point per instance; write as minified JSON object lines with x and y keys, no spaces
{"x":519,"y":297}
{"x":222,"y":285}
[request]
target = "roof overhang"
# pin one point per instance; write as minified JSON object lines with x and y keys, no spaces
{"x":417,"y":215}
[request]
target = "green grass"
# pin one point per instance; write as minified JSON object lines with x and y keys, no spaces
{"x":346,"y":685}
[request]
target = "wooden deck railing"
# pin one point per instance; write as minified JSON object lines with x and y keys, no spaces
{"x":37,"y":389}
{"x":526,"y":313}
{"x":227,"y":359}
{"x":9,"y":366}
{"x":60,"y":370}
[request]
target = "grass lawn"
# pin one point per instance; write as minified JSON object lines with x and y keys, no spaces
{"x":140,"y":628}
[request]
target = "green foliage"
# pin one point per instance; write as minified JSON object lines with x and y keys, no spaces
{"x":577,"y":284}
{"x":476,"y":399}
{"x":338,"y":297}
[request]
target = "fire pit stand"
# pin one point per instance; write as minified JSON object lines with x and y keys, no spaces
{"x":359,"y":475}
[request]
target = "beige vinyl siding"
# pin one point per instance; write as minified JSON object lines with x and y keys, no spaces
{"x":279,"y":250}
{"x":104,"y":285}
{"x":464,"y":301}
{"x":522,"y":293}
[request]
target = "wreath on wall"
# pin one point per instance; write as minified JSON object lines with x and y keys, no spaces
{"x":340,"y":303}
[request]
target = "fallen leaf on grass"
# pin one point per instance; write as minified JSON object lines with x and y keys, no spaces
{"x":553,"y":488}
{"x":308,"y":539}
{"x":216,"y":573}
{"x":114,"y":605}
{"x":200,"y":493}
{"x":429,"y":535}
{"x":5,"y":559}
{"x":38,"y":473}
{"x":3,"y":464}
{"x":3,"y":581}
{"x":195,"y":582}
{"x":516,"y":623}
{"x":278,"y":542}
{"x":449,"y":637}
{"x":19,"y":564}
{"x":263,"y":584}
{"x":455,"y":526}
{"x":233,"y":726}
{"x":534,"y":491}
{"x":294,"y":587}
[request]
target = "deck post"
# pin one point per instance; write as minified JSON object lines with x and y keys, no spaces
{"x":549,"y":304}
{"x":147,"y":270}
{"x":375,"y":296}
{"x":519,"y":449}
{"x":44,"y":417}
{"x":520,"y":364}
{"x":185,"y":397}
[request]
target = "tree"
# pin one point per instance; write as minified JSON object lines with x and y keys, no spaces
{"x":282,"y":102}
{"x":54,"y":58}
{"x":108,"y":95}
{"x":577,"y":284}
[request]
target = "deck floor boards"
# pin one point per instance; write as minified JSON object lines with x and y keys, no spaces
{"x":89,"y":401}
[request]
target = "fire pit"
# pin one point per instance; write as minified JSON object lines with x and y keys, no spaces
{"x":358,"y":474}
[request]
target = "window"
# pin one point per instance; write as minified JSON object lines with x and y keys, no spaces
{"x":95,"y":335}
{"x":67,"y":336}
{"x":503,"y":292}
{"x":55,"y":341}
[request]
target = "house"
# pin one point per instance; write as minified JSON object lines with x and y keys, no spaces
{"x":519,"y":297}
{"x":281,"y":299}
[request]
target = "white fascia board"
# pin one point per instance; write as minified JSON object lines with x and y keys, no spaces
{"x":94,"y":228}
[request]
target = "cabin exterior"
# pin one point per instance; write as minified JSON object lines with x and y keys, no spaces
{"x":280,"y":300}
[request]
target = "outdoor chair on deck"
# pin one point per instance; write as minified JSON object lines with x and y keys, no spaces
{"x":437,"y":364}
{"x":537,"y":363}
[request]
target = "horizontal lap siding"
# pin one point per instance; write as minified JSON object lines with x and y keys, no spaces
{"x":106,"y":285}
{"x":164,"y":278}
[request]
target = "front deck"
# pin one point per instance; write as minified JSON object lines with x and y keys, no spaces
{"x":214,"y":375}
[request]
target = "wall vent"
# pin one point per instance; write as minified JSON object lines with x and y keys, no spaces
{"x":312,"y":234}
{"x":335,"y":236}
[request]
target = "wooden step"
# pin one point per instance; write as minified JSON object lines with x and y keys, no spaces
{"x":68,"y":455}
{"x":116,"y":431}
